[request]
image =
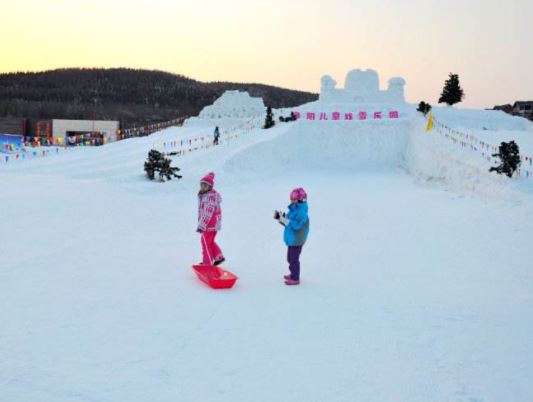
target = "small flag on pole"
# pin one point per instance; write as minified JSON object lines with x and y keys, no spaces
{"x":429,"y":125}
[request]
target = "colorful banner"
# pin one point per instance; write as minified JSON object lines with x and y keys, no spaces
{"x":37,"y":142}
{"x":347,"y":116}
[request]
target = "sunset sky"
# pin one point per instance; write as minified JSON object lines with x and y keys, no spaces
{"x":285,"y":43}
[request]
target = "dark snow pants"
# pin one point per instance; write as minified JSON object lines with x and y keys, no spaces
{"x":293,"y":258}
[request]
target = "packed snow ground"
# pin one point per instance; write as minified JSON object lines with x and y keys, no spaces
{"x":416,"y":284}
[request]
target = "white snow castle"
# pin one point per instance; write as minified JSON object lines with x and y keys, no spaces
{"x":361,"y":86}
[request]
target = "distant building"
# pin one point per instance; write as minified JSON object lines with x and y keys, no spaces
{"x":89,"y":132}
{"x":523,"y":109}
{"x":519,"y":108}
{"x":507,"y":108}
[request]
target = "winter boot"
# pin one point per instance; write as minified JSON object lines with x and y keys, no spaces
{"x":292,"y":282}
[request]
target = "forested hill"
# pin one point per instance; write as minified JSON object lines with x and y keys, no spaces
{"x":128,"y":95}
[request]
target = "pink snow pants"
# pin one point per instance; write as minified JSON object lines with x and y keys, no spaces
{"x":210,"y":250}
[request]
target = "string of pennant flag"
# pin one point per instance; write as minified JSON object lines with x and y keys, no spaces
{"x":147,"y":129}
{"x":480,"y":147}
{"x":184,"y":146}
{"x":32,"y":153}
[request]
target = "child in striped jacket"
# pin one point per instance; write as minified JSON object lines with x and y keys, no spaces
{"x":209,"y":220}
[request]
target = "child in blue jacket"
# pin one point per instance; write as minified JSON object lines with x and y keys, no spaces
{"x":296,"y":223}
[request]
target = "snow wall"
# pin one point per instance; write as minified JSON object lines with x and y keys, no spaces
{"x":349,"y":146}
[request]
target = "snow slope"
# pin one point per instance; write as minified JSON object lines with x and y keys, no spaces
{"x":433,"y":159}
{"x":410,"y":292}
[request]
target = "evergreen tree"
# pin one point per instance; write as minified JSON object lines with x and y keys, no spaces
{"x":452,"y":92}
{"x":509,"y":153}
{"x":269,"y":121}
{"x":424,"y":107}
{"x":158,"y":163}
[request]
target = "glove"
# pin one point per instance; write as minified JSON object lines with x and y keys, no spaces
{"x":283,"y":220}
{"x":276,"y":215}
{"x":199,"y":230}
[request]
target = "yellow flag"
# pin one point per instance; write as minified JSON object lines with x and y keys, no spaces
{"x":429,"y":126}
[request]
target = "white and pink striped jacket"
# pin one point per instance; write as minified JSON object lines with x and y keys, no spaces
{"x":209,"y":211}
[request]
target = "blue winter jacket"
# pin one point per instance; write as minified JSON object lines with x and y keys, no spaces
{"x":297,"y":230}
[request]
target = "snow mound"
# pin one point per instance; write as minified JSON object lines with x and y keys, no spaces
{"x":231,"y":107}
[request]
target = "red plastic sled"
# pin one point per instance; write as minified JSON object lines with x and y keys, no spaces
{"x":215,"y":277}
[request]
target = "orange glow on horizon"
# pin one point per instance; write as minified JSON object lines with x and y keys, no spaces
{"x":288,"y":44}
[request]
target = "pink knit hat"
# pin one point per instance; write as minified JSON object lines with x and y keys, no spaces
{"x":209,"y":179}
{"x":298,"y":194}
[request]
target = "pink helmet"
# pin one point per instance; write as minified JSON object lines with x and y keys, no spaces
{"x":298,"y":194}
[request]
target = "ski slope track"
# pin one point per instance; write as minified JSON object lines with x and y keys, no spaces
{"x":417,"y":279}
